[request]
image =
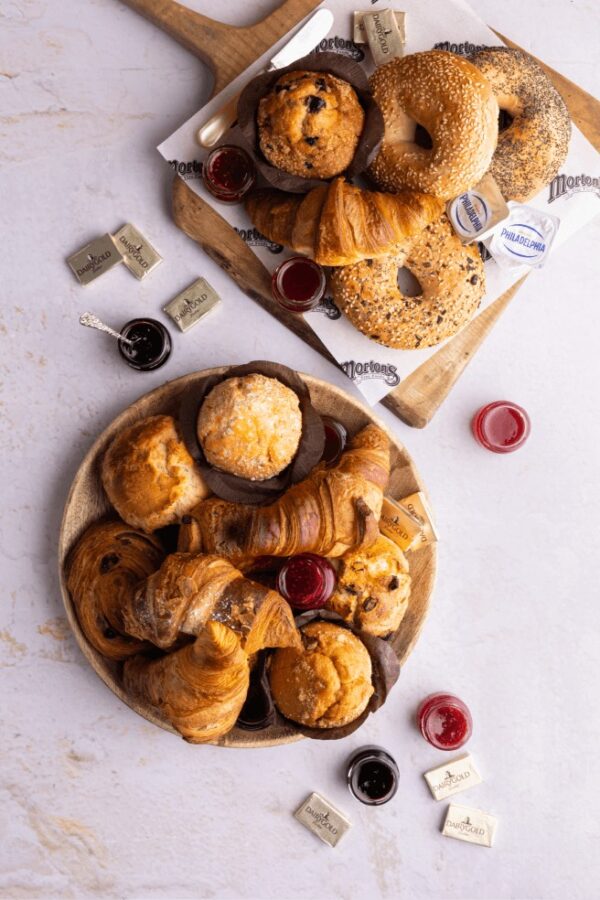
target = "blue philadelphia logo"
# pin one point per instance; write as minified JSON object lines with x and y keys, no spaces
{"x":523,"y":240}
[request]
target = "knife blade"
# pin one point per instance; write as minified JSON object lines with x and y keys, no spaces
{"x":313,"y":31}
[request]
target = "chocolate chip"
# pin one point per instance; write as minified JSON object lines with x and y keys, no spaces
{"x":314,"y":103}
{"x":110,"y":633}
{"x":311,"y":141}
{"x":310,"y":643}
{"x":439,"y":320}
{"x":394,"y":583}
{"x":320,"y":83}
{"x":474,"y":279}
{"x":350,"y":589}
{"x":369,"y":604}
{"x":108,"y":562}
{"x":187,"y":520}
{"x":308,"y":165}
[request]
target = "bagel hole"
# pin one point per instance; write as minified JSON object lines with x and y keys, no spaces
{"x":505,"y":120}
{"x":408,"y":283}
{"x":423,"y":138}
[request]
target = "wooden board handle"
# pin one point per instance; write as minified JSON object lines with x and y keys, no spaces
{"x":226,"y":49}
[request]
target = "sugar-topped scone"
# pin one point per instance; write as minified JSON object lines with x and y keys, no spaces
{"x":325,"y":684}
{"x":250,"y":426}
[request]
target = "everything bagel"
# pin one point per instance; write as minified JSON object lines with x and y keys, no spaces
{"x":452,"y":280}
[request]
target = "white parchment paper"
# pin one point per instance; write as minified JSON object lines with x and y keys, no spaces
{"x":574,"y":196}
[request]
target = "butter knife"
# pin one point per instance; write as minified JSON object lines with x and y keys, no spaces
{"x":313,"y":31}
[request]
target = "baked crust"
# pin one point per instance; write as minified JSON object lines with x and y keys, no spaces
{"x":149,"y":476}
{"x":452,"y":278}
{"x":373,"y":588}
{"x":325,"y":684}
{"x":449,"y":97}
{"x":534,"y":146}
{"x":309,"y":124}
{"x":250,"y":426}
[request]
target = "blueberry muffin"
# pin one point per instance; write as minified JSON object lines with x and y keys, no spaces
{"x":309,"y":124}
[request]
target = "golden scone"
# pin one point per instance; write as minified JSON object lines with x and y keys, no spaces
{"x":250,"y":426}
{"x":325,"y":684}
{"x":373,"y":588}
{"x":309,"y":124}
{"x":149,"y":476}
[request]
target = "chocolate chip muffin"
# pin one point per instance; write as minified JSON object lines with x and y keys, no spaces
{"x":309,"y":124}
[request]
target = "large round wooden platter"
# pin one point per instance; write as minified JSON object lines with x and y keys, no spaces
{"x":87,"y":503}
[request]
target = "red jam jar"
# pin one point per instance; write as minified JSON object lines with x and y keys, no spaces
{"x":501,"y":426}
{"x":298,"y":284}
{"x":306,"y":581}
{"x":336,"y":438}
{"x":445,"y":721}
{"x":228,"y":173}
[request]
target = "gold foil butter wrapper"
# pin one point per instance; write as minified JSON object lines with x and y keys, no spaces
{"x":359,"y":32}
{"x":96,"y":258}
{"x":453,"y":777}
{"x":475,"y":214}
{"x":324,"y":820}
{"x":408,"y":522}
{"x":471,"y":825}
{"x":384,"y":36}
{"x":187,"y":308}
{"x":139,"y":255}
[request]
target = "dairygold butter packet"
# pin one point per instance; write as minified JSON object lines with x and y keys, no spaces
{"x":324,"y":820}
{"x":471,"y":825}
{"x":398,"y":524}
{"x":418,"y":507}
{"x":475,"y":214}
{"x":453,"y":777}
{"x":386,"y":41}
{"x":139,"y":255}
{"x":96,"y":258}
{"x":187,"y":308}
{"x":359,"y":33}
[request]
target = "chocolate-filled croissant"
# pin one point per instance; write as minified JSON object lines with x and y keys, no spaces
{"x":103,"y":570}
{"x":332,"y":511}
{"x":200,"y":688}
{"x":188,"y":591}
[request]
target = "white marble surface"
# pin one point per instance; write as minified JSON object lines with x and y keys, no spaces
{"x":96,"y":802}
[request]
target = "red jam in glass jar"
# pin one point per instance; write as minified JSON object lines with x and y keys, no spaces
{"x":228,"y":174}
{"x":306,"y":581}
{"x":336,"y":437}
{"x":298,"y":284}
{"x":501,"y":426}
{"x":445,"y":721}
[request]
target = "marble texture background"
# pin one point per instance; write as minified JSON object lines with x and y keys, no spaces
{"x":94,"y":802}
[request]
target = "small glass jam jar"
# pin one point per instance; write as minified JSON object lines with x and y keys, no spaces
{"x":372,"y":775}
{"x":336,"y":438}
{"x":228,"y":173}
{"x":306,"y":581}
{"x":298,"y":284}
{"x":151,"y":346}
{"x":501,"y":426}
{"x":445,"y":721}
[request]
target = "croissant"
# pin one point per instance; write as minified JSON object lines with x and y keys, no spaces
{"x":333,"y":510}
{"x":200,"y":688}
{"x":189,"y":591}
{"x":339,"y":224}
{"x":103,"y":571}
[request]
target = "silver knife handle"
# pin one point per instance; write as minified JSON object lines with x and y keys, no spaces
{"x":217,"y":125}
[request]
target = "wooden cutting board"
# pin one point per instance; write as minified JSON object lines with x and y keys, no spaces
{"x":228,"y":50}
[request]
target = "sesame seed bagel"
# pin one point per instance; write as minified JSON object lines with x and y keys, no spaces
{"x":535,"y":144}
{"x":450,"y":98}
{"x":452,"y":280}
